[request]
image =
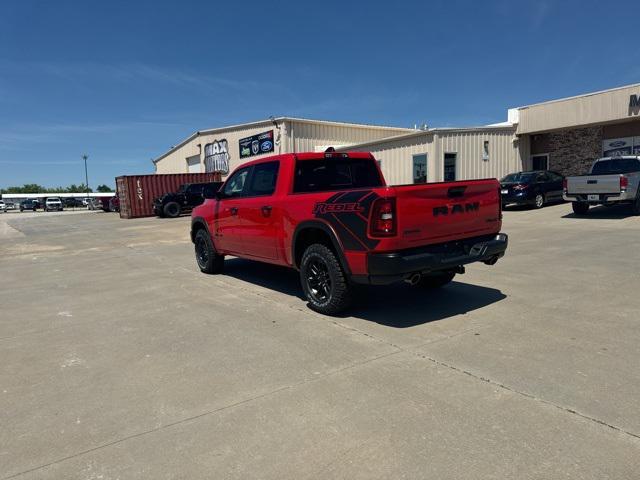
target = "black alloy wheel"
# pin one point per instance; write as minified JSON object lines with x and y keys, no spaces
{"x":208,"y":260}
{"x":318,"y":280}
{"x":323,"y":280}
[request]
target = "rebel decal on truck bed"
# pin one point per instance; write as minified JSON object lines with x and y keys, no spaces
{"x":348,"y":214}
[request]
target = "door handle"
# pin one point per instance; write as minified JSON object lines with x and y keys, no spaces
{"x":266,"y":210}
{"x":233,"y":210}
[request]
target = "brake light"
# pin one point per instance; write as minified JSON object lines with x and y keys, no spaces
{"x":520,"y":187}
{"x":383,"y":218}
{"x":624,"y":183}
{"x":564,"y":184}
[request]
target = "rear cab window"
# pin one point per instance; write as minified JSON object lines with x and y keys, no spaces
{"x":616,"y":166}
{"x":326,"y":174}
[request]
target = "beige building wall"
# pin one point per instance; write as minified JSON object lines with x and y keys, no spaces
{"x":396,"y":155}
{"x":296,"y":135}
{"x":504,"y":156}
{"x":176,"y":160}
{"x":596,"y":108}
{"x":314,"y":136}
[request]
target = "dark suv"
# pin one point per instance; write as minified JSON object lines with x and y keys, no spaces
{"x":188,"y":196}
{"x":30,"y":204}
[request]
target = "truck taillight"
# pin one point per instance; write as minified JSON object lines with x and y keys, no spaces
{"x":383,"y":218}
{"x":624,"y":183}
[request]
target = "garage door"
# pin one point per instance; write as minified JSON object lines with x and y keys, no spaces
{"x":193,"y":164}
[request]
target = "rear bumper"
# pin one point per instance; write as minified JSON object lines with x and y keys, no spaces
{"x":517,"y":199}
{"x":603,"y":197}
{"x":386,"y":268}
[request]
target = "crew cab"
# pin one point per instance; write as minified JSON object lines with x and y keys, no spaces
{"x":332,"y":217}
{"x":188,"y":196}
{"x":612,"y":180}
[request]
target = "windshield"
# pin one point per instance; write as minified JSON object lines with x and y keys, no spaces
{"x":616,"y":166}
{"x":520,"y":177}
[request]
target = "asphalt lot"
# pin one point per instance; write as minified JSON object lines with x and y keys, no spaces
{"x":119,"y":360}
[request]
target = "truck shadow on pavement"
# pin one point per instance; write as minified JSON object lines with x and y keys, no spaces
{"x":616,"y":212}
{"x":397,"y":306}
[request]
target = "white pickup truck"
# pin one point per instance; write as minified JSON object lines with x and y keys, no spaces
{"x":612,"y":180}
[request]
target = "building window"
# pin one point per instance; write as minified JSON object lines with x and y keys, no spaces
{"x":450,"y":167}
{"x":420,"y":168}
{"x":540,"y":162}
{"x":485,"y":150}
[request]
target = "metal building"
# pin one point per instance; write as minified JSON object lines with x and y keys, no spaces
{"x":223,"y":149}
{"x":447,"y":154}
{"x":564,"y":135}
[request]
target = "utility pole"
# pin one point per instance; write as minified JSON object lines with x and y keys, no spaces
{"x":86,"y":175}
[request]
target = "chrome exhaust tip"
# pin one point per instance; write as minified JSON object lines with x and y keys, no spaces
{"x":413,"y":278}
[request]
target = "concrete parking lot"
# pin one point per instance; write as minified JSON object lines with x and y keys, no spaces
{"x":119,"y":360}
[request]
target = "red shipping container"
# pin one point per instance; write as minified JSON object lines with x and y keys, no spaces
{"x":137,"y":192}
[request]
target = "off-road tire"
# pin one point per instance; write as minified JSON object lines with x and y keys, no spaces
{"x":436,"y":281}
{"x":172,"y":209}
{"x":207,"y":258}
{"x":337,"y":296}
{"x":580,"y":208}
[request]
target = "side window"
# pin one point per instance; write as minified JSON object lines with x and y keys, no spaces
{"x":542,"y":177}
{"x":235,"y":185}
{"x":264,"y":178}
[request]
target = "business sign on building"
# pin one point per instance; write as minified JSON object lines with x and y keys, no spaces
{"x":615,"y":147}
{"x":216,"y":157}
{"x":256,"y":144}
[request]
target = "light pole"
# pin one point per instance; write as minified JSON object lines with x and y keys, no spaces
{"x":86,"y":176}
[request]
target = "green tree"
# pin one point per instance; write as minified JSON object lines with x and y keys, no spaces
{"x":104,"y":189}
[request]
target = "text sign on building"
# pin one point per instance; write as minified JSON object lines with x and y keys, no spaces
{"x":615,"y":147}
{"x":216,"y":157}
{"x":256,"y":144}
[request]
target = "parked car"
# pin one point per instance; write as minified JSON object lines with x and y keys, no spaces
{"x":114,"y":204}
{"x":71,"y":202}
{"x":188,"y":196}
{"x":10,"y":205}
{"x":611,"y":181}
{"x":535,"y":188}
{"x":93,"y":203}
{"x":3,"y":207}
{"x":29,"y":204}
{"x":53,"y":203}
{"x":332,"y":217}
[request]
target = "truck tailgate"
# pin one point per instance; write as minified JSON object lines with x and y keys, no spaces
{"x":440,"y":212}
{"x":593,"y":184}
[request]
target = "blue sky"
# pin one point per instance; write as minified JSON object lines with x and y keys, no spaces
{"x":124,"y":80}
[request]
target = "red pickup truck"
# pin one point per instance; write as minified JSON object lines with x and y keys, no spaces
{"x":332,"y":217}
